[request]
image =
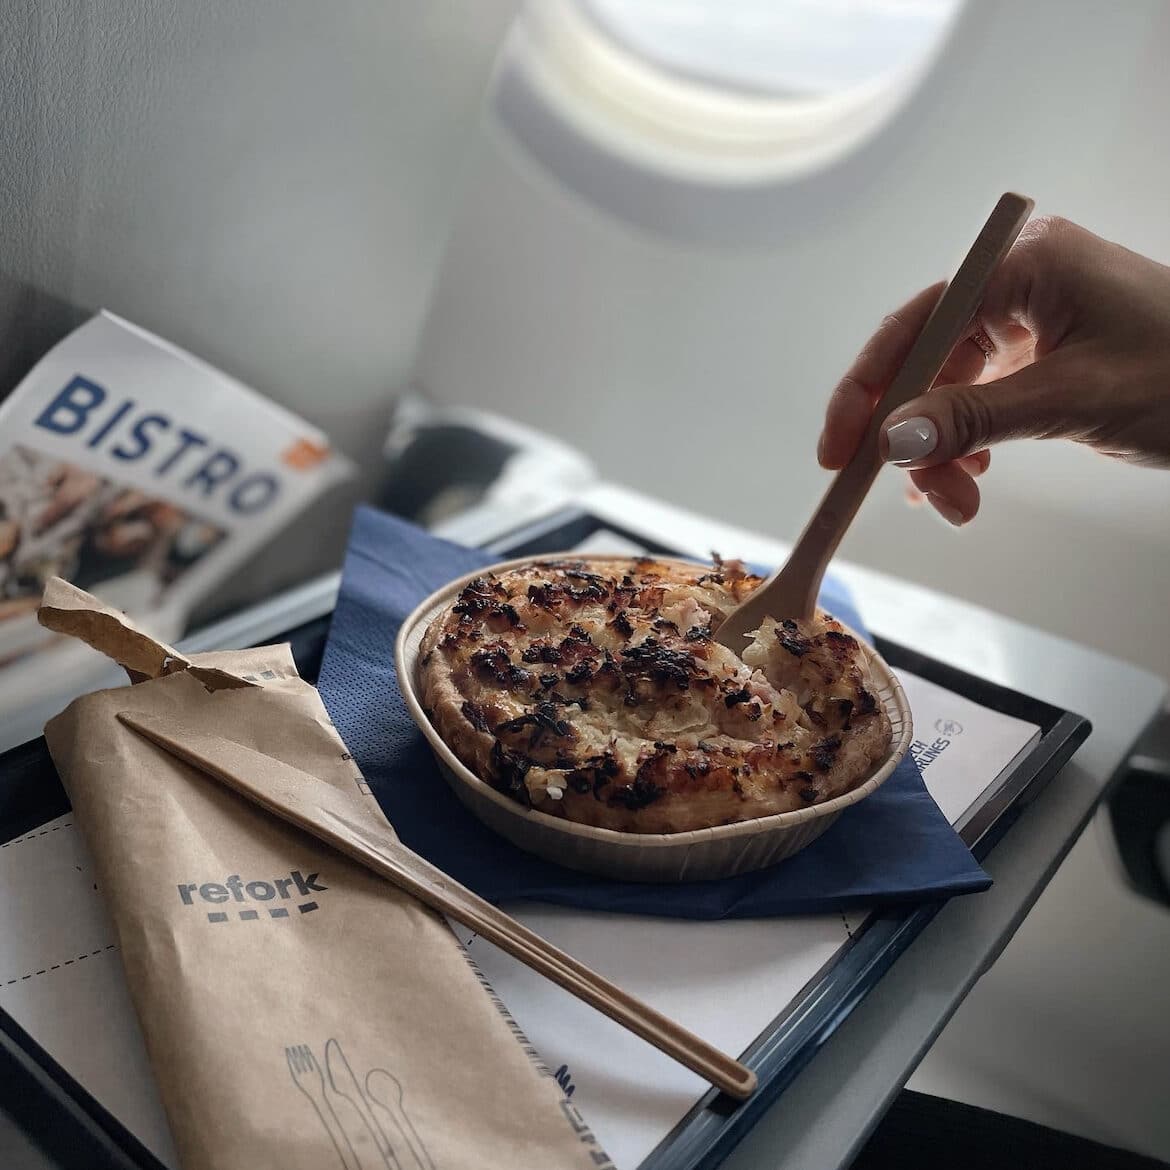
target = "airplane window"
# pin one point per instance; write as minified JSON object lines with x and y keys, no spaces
{"x":617,"y":96}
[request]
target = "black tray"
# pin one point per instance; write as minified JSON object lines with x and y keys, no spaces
{"x":78,"y":1131}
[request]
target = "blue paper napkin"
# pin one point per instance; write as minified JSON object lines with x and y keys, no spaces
{"x":893,"y":846}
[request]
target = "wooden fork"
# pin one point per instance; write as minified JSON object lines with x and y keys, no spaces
{"x":791,"y":592}
{"x":342,"y":821}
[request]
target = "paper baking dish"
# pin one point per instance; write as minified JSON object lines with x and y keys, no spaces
{"x":651,"y":857}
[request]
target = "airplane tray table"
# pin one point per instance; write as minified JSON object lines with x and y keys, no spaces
{"x":52,"y":1100}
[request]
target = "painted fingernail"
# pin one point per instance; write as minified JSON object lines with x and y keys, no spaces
{"x":946,"y":510}
{"x":910,"y":440}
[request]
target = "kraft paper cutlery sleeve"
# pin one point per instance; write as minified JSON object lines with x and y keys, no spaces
{"x":256,"y":956}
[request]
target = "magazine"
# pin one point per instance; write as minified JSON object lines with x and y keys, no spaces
{"x":140,"y":473}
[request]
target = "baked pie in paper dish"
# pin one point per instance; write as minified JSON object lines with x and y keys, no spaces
{"x":590,"y":690}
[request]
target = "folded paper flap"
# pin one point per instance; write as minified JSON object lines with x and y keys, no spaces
{"x":65,"y":609}
{"x":347,"y":822}
{"x":272,"y":783}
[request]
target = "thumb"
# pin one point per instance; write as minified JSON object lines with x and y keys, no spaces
{"x":952,"y":421}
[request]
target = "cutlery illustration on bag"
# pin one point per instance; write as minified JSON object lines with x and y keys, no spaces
{"x":345,"y":1084}
{"x":308,"y":1077}
{"x":384,"y":1091}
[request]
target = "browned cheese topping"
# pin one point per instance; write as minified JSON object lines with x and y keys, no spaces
{"x":593,"y":690}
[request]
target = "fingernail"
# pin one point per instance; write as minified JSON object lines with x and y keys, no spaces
{"x":946,"y":510}
{"x":821,"y":449}
{"x":910,"y":440}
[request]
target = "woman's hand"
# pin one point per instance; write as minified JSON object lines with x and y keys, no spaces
{"x":1072,"y":342}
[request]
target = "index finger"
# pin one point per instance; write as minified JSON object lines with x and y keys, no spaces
{"x":852,"y":402}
